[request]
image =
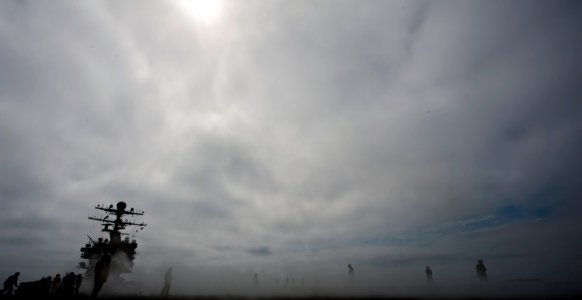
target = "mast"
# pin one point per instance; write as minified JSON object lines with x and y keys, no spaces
{"x":122,"y":251}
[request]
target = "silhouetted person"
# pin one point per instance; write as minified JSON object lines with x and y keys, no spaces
{"x":48,"y":284}
{"x":56,"y":283}
{"x":350,"y":272}
{"x":78,"y":282}
{"x":10,"y":283}
{"x":428,"y":273}
{"x":481,"y":271}
{"x":69,"y":284}
{"x":167,"y":282}
{"x":65,"y":283}
{"x":60,"y":290}
{"x":101,"y":274}
{"x":256,"y":280}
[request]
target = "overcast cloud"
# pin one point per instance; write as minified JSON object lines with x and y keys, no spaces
{"x":291,"y":138}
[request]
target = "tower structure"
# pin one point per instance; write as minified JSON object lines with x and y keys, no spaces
{"x":122,"y":251}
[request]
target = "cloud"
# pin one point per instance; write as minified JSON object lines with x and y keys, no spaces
{"x":260,"y":251}
{"x":294,"y":138}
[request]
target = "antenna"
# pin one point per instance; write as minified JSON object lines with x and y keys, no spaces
{"x":114,"y":219}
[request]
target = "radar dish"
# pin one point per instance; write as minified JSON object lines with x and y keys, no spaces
{"x":121,"y":205}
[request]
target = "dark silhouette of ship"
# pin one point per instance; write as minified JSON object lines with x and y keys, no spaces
{"x":122,"y":251}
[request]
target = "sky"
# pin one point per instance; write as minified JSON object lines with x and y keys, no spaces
{"x":291,"y":138}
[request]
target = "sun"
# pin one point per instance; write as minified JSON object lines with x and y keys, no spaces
{"x":202,"y":10}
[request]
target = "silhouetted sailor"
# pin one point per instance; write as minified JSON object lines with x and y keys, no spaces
{"x":78,"y":282}
{"x":10,"y":283}
{"x":48,"y":284}
{"x":101,"y":274}
{"x":56,"y":283}
{"x":481,"y":271}
{"x":69,"y":284}
{"x":350,"y":272}
{"x":167,"y":282}
{"x":256,"y":280}
{"x":428,"y":273}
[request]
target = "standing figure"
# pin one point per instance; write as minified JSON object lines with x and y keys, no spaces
{"x":56,"y":283}
{"x":69,"y":284}
{"x":10,"y":283}
{"x":428,"y":273}
{"x":481,"y":271}
{"x":167,"y":282}
{"x":256,"y":280}
{"x":48,"y":285}
{"x":78,"y":282}
{"x":101,"y":274}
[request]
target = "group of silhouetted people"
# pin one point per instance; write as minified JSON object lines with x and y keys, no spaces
{"x":70,"y":283}
{"x":66,"y":286}
{"x":479,"y":268}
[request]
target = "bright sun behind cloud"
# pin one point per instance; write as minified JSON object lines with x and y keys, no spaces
{"x":202,"y":10}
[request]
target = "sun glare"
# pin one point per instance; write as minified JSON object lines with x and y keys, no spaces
{"x":202,"y":10}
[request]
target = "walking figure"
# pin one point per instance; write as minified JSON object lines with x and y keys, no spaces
{"x":481,"y":271}
{"x":167,"y":282}
{"x":428,"y":273}
{"x":101,"y":274}
{"x":10,"y":283}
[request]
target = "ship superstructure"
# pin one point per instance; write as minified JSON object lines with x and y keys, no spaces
{"x":114,"y":221}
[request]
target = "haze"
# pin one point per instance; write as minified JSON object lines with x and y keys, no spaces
{"x":292,"y":138}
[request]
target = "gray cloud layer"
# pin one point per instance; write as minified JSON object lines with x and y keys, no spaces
{"x":294,"y":138}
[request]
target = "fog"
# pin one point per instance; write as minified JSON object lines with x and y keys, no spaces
{"x":290,"y":139}
{"x":368,"y":282}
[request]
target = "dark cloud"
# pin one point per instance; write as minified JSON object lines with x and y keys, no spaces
{"x":260,"y":251}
